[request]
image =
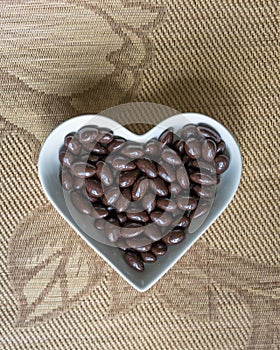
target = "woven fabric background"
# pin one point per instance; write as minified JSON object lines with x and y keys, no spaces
{"x":62,"y":58}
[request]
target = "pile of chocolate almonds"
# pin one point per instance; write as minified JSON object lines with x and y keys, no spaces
{"x":143,"y":196}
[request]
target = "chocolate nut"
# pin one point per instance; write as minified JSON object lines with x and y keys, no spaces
{"x":208,"y":150}
{"x":81,"y":203}
{"x":134,"y":261}
{"x":174,"y":237}
{"x":207,"y":132}
{"x":83,"y":170}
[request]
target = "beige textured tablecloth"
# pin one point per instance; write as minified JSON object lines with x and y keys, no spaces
{"x":62,"y":58}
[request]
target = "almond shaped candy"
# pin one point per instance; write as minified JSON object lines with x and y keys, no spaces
{"x":112,"y":232}
{"x":66,"y":180}
{"x":161,"y":218}
{"x":207,"y":132}
{"x":141,"y":243}
{"x":88,"y":134}
{"x":189,"y":130}
{"x":159,"y":187}
{"x":134,"y":261}
{"x":99,"y":210}
{"x":115,"y":144}
{"x":140,"y":188}
{"x":193,"y":148}
{"x":148,"y":257}
{"x":97,"y":148}
{"x":202,"y":165}
{"x":202,"y":209}
{"x":166,"y":204}
{"x":179,"y":146}
{"x":122,"y":163}
{"x":159,"y":248}
{"x":149,"y":202}
{"x":104,"y":173}
{"x":105,"y":135}
{"x":153,"y":148}
{"x":176,"y":236}
{"x":78,"y":183}
{"x":174,"y":188}
{"x":221,"y":147}
{"x":170,"y":157}
{"x":204,"y":179}
{"x":132,"y":150}
{"x":166,"y":172}
{"x":66,"y":159}
{"x":182,"y":177}
{"x":185,"y":202}
{"x":140,"y":217}
{"x":123,"y":201}
{"x":127,"y":178}
{"x":166,"y":138}
{"x":91,"y":158}
{"x":152,"y":231}
{"x":208,"y":150}
{"x":72,"y":144}
{"x":83,"y":170}
{"x":81,"y":203}
{"x":111,"y":195}
{"x":122,"y":218}
{"x":68,"y":138}
{"x":147,"y":167}
{"x":132,"y":229}
{"x":221,"y":163}
{"x":205,"y":191}
{"x":94,"y":187}
{"x":184,"y":222}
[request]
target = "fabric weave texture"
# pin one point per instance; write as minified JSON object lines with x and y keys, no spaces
{"x":63,"y":58}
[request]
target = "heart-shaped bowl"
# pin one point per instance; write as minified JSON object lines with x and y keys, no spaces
{"x":48,"y":167}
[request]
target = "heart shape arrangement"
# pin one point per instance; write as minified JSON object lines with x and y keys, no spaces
{"x":49,"y":167}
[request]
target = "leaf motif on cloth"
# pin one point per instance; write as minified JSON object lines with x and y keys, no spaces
{"x":130,"y":59}
{"x":257,"y":284}
{"x":190,"y":294}
{"x":67,"y":52}
{"x":122,"y":296}
{"x":236,"y":272}
{"x":20,"y":190}
{"x":185,"y":290}
{"x":61,"y":49}
{"x":50,"y":267}
{"x":33,"y":111}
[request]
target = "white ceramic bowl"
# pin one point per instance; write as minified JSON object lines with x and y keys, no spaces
{"x":48,"y":167}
